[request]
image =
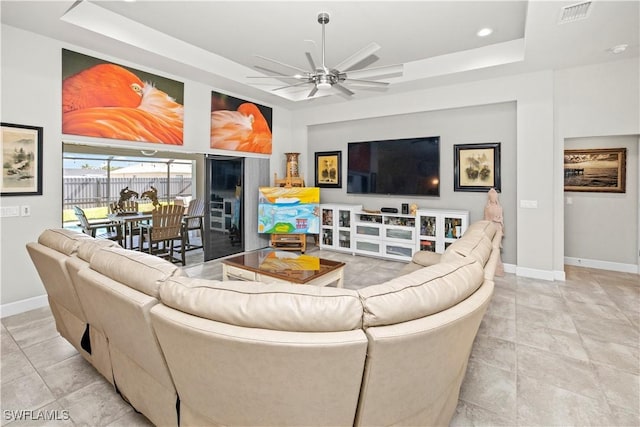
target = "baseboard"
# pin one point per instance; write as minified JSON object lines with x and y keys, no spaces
{"x":602,"y":265}
{"x":560,"y":276}
{"x":509,"y":268}
{"x":535,"y":273}
{"x":21,"y":306}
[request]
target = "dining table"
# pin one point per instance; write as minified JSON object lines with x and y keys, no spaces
{"x":127,"y":222}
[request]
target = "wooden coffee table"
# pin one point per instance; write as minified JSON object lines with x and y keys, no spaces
{"x":269,"y":266}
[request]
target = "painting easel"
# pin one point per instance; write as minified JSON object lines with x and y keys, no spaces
{"x":295,"y":242}
{"x":288,"y":182}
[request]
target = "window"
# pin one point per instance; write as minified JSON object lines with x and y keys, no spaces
{"x":93,"y":178}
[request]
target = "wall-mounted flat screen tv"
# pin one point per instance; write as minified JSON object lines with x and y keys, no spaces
{"x":409,"y":167}
{"x":283,"y":210}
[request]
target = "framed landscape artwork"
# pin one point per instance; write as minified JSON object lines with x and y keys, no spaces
{"x":21,"y":160}
{"x":328,"y":169}
{"x":476,"y":167}
{"x":595,"y":170}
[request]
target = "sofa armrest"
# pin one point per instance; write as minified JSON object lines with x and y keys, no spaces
{"x":426,"y":258}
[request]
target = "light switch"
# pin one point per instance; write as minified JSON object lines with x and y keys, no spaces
{"x":569,"y":200}
{"x":6,"y":211}
{"x":529,"y":204}
{"x":25,"y":210}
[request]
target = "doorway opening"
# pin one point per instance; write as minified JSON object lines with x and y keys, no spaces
{"x":225,"y":192}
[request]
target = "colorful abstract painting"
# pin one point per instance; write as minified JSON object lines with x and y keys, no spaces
{"x":239,"y":125}
{"x":106,"y":100}
{"x":284,"y":210}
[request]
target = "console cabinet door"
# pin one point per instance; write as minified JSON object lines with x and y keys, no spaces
{"x":336,"y":229}
{"x":438,"y":228}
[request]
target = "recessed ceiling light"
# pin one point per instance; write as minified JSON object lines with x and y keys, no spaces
{"x":619,"y":48}
{"x":484,"y":32}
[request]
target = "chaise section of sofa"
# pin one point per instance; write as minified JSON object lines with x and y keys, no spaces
{"x":118,"y":291}
{"x":51,"y":255}
{"x":249,"y":353}
{"x":95,"y":341}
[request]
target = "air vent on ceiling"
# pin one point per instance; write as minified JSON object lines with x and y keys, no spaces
{"x":574,"y":12}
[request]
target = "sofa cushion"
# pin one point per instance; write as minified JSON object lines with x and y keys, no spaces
{"x":138,"y":270}
{"x":474,"y":243}
{"x":426,"y":258}
{"x":487,"y":227}
{"x":282,"y":307}
{"x":87,"y":248}
{"x":62,"y":240}
{"x":421,"y":293}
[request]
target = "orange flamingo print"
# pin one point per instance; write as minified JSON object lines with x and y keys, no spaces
{"x":243,"y":130}
{"x":108,"y":101}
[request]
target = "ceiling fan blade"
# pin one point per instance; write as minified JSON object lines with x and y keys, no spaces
{"x":360,"y":55}
{"x":268,"y":70}
{"x":290,"y":86}
{"x":313,"y":92}
{"x":377,"y":72}
{"x":297,"y":77}
{"x":311,"y":62}
{"x":358,"y":82}
{"x":293,"y":67}
{"x":343,"y":89}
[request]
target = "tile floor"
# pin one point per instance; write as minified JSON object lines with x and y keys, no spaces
{"x":547,"y":354}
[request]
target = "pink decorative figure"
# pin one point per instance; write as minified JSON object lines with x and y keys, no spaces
{"x":493,"y":212}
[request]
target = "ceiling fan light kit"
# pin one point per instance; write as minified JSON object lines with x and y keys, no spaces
{"x":324,"y":78}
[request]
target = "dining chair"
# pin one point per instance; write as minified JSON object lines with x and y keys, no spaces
{"x":165,"y":228}
{"x":193,"y":220}
{"x":111,"y":230}
{"x":127,"y":206}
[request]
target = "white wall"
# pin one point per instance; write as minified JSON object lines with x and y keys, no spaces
{"x":601,"y":99}
{"x":533,"y":95}
{"x":602,"y":226}
{"x":594,"y":101}
{"x":31,"y":95}
{"x":468,"y":125}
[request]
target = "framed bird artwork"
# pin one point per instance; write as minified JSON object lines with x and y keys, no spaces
{"x":106,"y":100}
{"x":240,"y":125}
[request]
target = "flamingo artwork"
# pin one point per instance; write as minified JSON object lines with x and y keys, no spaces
{"x":109,"y":101}
{"x":243,"y":129}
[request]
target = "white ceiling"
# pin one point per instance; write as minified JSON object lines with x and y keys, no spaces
{"x":215,"y":42}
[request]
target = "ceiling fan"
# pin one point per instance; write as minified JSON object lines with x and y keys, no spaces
{"x":324,"y":78}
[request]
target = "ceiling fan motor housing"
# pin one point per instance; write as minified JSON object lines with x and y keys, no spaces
{"x":323,"y":18}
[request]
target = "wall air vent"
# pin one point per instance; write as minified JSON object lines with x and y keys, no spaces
{"x":575,"y":12}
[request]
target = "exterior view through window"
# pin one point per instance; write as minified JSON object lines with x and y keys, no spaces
{"x":95,"y":181}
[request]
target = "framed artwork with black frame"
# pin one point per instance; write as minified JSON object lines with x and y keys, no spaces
{"x":329,"y":169}
{"x":21,"y":160}
{"x":476,"y":167}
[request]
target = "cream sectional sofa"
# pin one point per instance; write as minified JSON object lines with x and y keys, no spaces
{"x":193,"y":352}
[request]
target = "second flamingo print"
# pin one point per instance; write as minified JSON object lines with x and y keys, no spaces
{"x":239,"y":125}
